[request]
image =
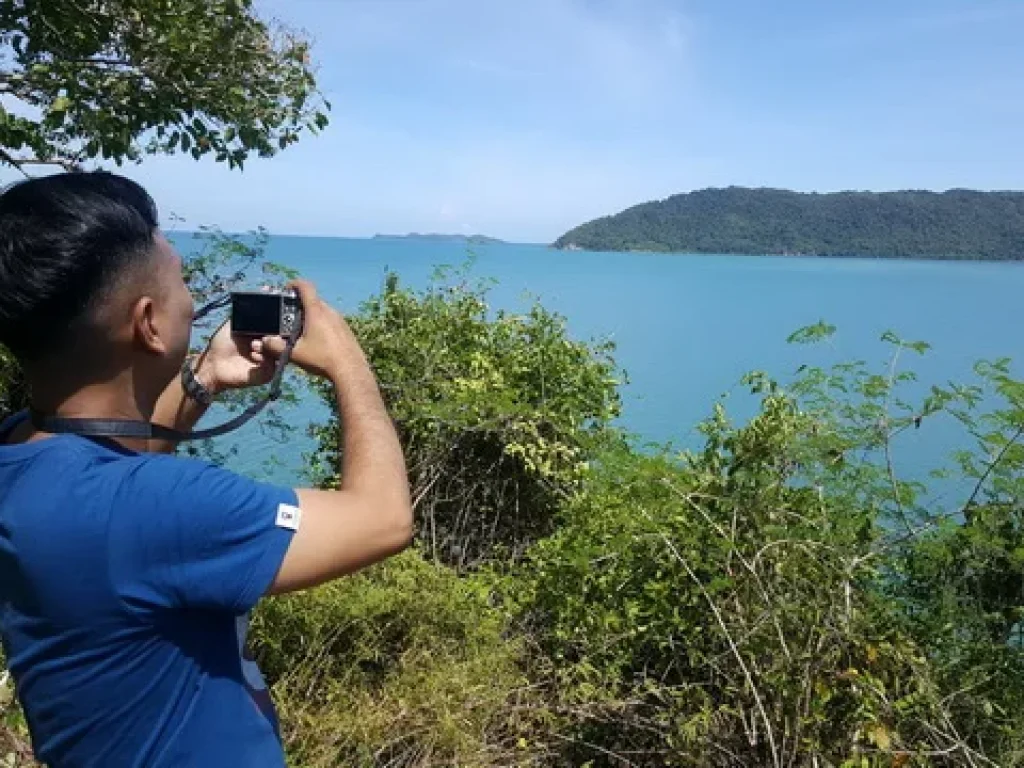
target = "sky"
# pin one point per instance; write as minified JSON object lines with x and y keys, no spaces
{"x":523,"y":118}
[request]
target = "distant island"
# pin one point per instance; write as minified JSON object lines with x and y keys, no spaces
{"x":957,"y":224}
{"x":471,"y":239}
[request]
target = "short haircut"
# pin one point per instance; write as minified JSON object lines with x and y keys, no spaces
{"x":64,"y":241}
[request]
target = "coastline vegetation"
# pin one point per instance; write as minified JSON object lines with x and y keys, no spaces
{"x":957,"y":224}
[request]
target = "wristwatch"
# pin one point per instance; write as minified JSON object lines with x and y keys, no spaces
{"x":192,"y":386}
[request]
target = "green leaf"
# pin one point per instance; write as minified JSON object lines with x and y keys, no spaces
{"x":812,"y":333}
{"x":180,"y":57}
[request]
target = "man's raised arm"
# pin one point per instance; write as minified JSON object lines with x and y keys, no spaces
{"x":370,"y":517}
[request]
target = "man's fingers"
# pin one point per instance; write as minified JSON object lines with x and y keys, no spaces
{"x":305,"y":290}
{"x":273,"y":346}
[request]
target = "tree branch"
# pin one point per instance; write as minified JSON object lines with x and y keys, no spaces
{"x":888,"y":442}
{"x":19,"y":162}
{"x":97,"y":62}
{"x":995,"y":462}
{"x":20,"y":89}
{"x":6,"y":157}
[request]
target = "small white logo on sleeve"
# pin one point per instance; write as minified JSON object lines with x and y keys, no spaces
{"x":288,"y":517}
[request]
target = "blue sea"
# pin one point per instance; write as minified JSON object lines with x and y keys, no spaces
{"x":687,"y":327}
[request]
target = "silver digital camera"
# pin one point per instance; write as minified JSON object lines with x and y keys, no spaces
{"x":266,"y":313}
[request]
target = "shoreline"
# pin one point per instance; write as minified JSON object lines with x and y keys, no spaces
{"x":793,"y":256}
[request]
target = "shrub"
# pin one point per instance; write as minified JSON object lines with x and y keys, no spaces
{"x":704,"y":612}
{"x":405,"y":664}
{"x":15,"y":749}
{"x":498,"y":413}
{"x":759,"y":603}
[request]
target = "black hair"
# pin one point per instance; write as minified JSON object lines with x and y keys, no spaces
{"x":64,"y":240}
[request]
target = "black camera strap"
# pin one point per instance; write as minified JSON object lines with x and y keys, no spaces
{"x":144,"y":430}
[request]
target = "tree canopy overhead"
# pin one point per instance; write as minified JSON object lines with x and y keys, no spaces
{"x":118,"y":79}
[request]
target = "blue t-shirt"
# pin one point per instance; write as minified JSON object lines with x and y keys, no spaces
{"x":125,"y":584}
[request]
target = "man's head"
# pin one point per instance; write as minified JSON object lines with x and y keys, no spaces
{"x":88,"y":286}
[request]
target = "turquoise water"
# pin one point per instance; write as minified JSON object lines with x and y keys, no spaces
{"x":688,"y":327}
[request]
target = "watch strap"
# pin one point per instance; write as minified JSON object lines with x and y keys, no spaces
{"x":192,"y":386}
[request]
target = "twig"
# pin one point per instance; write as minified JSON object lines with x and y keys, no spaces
{"x":735,"y":550}
{"x":888,"y":441}
{"x":97,"y":62}
{"x":20,"y":162}
{"x":958,"y":744}
{"x":966,"y":689}
{"x":995,"y":462}
{"x":6,"y":157}
{"x":732,"y":645}
{"x":597,"y":748}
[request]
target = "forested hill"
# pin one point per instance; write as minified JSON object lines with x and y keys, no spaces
{"x":958,"y":224}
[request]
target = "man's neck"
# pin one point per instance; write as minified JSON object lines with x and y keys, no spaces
{"x":117,"y":398}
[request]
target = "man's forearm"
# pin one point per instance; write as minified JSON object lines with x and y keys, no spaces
{"x":372,"y":460}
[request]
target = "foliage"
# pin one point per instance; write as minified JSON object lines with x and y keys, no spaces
{"x":13,"y":396}
{"x":704,"y":612}
{"x":15,"y":749}
{"x":780,"y":597}
{"x":860,"y":414}
{"x":497,"y":412}
{"x":405,"y":664}
{"x":759,"y":603}
{"x":959,"y":224}
{"x":117,"y":79}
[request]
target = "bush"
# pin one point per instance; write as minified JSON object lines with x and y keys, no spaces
{"x":405,"y":664}
{"x":15,"y":749}
{"x":13,"y":395}
{"x":705,"y":612}
{"x":759,"y":602}
{"x":498,"y":413}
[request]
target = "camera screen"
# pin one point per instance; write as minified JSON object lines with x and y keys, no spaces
{"x":255,"y":314}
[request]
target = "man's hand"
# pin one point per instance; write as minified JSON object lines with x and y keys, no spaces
{"x":327,"y":346}
{"x":233,"y":362}
{"x":229,"y":362}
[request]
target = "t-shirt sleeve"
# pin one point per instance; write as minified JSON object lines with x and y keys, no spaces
{"x":185,"y":534}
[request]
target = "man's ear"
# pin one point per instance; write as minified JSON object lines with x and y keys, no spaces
{"x":145,"y":327}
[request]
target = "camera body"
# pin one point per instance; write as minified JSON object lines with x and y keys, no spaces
{"x":266,"y":313}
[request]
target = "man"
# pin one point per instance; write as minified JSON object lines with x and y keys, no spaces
{"x":126,"y":573}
